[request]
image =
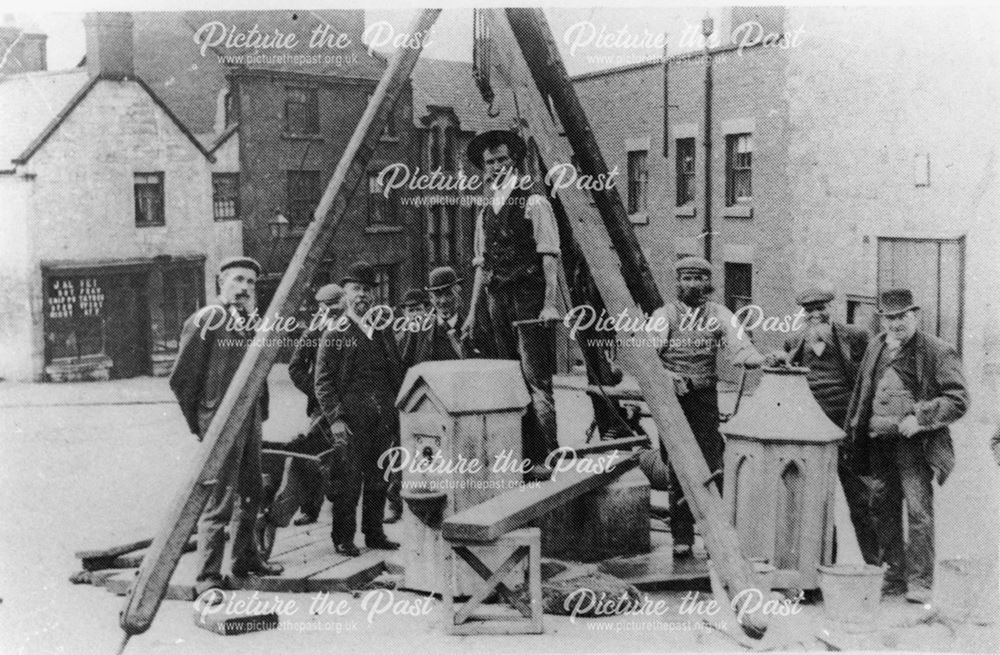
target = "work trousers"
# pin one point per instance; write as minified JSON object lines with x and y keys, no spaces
{"x":235,"y":498}
{"x":373,"y":428}
{"x":901,"y":468}
{"x":303,"y":481}
{"x":534,"y":346}
{"x":701,"y":409}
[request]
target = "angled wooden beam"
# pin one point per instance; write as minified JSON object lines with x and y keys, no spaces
{"x":179,"y":523}
{"x":621,"y":274}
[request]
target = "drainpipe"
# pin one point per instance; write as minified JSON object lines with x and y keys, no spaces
{"x":707,"y":27}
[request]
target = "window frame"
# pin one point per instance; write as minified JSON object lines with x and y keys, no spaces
{"x":379,"y":206}
{"x":735,"y":167}
{"x":684,"y":179}
{"x":310,"y":123}
{"x":730,"y":294}
{"x":160,"y":197}
{"x":216,"y":200}
{"x":294,"y":203}
{"x":638,"y":187}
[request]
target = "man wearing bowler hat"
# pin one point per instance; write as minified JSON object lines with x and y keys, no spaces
{"x":697,"y":329}
{"x":358,"y":374}
{"x":909,"y":390}
{"x":414,"y":307}
{"x":516,"y":260}
{"x":832,"y":351}
{"x":212,"y":344}
{"x":440,"y":340}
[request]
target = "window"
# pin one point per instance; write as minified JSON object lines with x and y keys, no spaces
{"x":861,"y":313}
{"x":739,"y":153}
{"x":448,"y":156}
{"x":148,"y":199}
{"x":434,"y":146}
{"x":381,"y":210}
{"x":74,"y":323}
{"x":389,"y":131}
{"x":442,"y":228}
{"x":739,"y":285}
{"x":230,"y":108}
{"x":183,"y":294}
{"x":225,"y":196}
{"x":301,"y":111}
{"x":303,"y":195}
{"x":385,"y":284}
{"x":685,"y":171}
{"x":934,"y":270}
{"x":638,"y":179}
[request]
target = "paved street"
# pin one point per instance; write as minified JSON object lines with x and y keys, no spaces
{"x":90,"y":465}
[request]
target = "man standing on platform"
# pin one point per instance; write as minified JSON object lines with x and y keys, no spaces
{"x":358,"y":374}
{"x":441,"y":340}
{"x":212,"y":344}
{"x":302,"y":486}
{"x":697,"y":329}
{"x":516,"y":259}
{"x":909,"y":390}
{"x":832,"y":352}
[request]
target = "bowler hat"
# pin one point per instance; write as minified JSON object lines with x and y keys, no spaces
{"x":413,"y":298}
{"x":814,"y":296}
{"x":330,"y":294}
{"x":493,"y":138}
{"x":693,"y":264}
{"x":896,"y":301}
{"x":442,"y":277}
{"x":240,"y":261}
{"x":360,"y":272}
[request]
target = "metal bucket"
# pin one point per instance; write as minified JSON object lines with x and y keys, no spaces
{"x":852,"y":593}
{"x":965,"y":589}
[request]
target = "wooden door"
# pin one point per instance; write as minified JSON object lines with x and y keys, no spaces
{"x":127,"y":325}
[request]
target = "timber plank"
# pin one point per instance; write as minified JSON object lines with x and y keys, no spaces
{"x":488,"y":521}
{"x":112,"y":551}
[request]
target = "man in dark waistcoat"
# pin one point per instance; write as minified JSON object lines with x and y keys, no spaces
{"x":358,"y":374}
{"x":302,"y":486}
{"x":697,"y":330}
{"x":832,"y":352}
{"x":516,"y":259}
{"x":909,"y":390}
{"x":212,"y":344}
{"x":439,"y":338}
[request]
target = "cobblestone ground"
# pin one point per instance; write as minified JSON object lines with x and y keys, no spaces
{"x":89,"y":465}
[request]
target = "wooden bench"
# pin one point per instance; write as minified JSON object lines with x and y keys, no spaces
{"x":499,"y":522}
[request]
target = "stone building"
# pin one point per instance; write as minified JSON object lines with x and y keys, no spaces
{"x":109,"y":236}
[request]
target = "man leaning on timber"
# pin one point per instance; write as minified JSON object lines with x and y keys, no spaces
{"x":516,"y":259}
{"x":213,"y":342}
{"x":832,"y":351}
{"x":909,"y":390}
{"x":358,"y":374}
{"x":697,"y":329}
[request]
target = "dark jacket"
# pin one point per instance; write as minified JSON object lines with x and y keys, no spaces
{"x":851,"y":344}
{"x":428,"y":345}
{"x":206,"y":365}
{"x":942,"y":398}
{"x":302,"y":367}
{"x":338,"y":367}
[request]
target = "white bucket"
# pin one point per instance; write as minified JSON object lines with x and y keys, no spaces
{"x":851,"y":592}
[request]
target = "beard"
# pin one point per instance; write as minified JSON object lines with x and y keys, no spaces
{"x":693,"y":296}
{"x":818,"y":331}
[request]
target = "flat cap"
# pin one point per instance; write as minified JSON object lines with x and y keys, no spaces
{"x":814,"y":295}
{"x":240,"y":261}
{"x":331,"y":294}
{"x":413,"y":298}
{"x":693,"y":264}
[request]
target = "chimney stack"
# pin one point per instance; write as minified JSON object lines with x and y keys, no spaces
{"x":25,"y":50}
{"x":110,"y":52}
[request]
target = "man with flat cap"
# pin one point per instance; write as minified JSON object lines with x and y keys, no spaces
{"x":358,"y":374}
{"x":832,"y":351}
{"x":697,"y":329}
{"x":414,"y":306}
{"x":516,"y":259}
{"x":909,"y":390}
{"x":212,"y":344}
{"x":441,"y":339}
{"x":302,"y":482}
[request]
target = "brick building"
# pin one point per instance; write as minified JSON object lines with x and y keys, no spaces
{"x":109,"y":238}
{"x":859,"y":158}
